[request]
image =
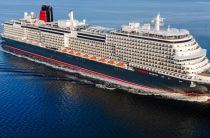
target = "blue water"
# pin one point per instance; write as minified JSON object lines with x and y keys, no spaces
{"x":37,"y":101}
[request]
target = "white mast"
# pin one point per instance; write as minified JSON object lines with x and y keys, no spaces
{"x":158,"y":22}
{"x":71,"y":14}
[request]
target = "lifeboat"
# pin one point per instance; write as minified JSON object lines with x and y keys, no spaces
{"x":71,"y":52}
{"x":64,"y":50}
{"x":86,"y":56}
{"x":93,"y":58}
{"x":111,"y":62}
{"x":78,"y":54}
{"x":102,"y":60}
{"x":120,"y":64}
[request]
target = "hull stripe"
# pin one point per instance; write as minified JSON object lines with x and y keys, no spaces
{"x":96,"y":73}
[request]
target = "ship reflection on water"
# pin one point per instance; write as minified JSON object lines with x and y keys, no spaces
{"x":63,"y":104}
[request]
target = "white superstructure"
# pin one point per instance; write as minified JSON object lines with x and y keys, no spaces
{"x":171,"y":52}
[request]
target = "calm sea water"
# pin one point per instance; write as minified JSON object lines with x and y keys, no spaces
{"x":37,"y":101}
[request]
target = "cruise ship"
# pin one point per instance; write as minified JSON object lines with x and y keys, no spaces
{"x":134,"y":55}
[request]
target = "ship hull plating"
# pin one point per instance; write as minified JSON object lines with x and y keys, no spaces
{"x":138,"y":79}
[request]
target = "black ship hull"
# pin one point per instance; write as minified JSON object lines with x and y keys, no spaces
{"x":128,"y":78}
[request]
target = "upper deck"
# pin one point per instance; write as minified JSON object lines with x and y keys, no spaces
{"x":133,"y":29}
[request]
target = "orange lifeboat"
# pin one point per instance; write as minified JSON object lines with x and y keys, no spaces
{"x":93,"y":58}
{"x":111,"y":62}
{"x":120,"y":64}
{"x":78,"y":54}
{"x":64,"y":50}
{"x":86,"y":56}
{"x":71,"y":52}
{"x":102,"y":60}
